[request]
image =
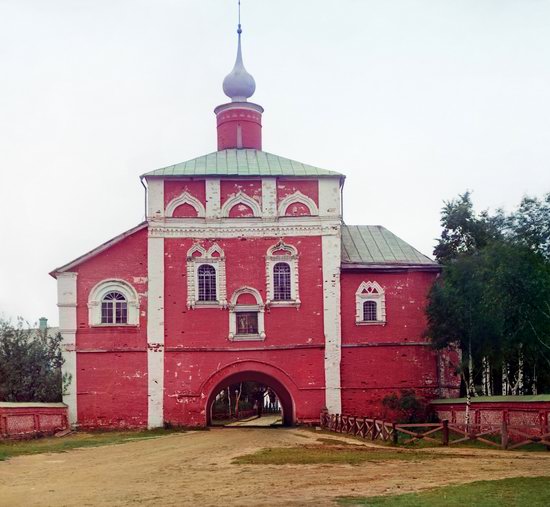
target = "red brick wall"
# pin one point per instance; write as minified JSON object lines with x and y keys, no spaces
{"x":378,"y":360}
{"x":173,"y":189}
{"x":286,"y":187}
{"x":197,"y":344}
{"x":26,"y":420}
{"x":112,"y":361}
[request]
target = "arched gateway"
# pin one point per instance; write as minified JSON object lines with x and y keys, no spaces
{"x":248,"y":371}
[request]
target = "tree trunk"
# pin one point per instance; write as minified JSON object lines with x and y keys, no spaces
{"x":534,"y":384}
{"x":505,"y":379}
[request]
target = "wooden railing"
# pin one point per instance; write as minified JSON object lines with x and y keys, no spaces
{"x":502,"y":436}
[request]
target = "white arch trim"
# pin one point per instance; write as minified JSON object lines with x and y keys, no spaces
{"x":234,"y":308}
{"x":113,"y":285}
{"x":370,"y":291}
{"x":185,"y":198}
{"x":298,"y":197}
{"x":291,"y":258}
{"x":241,"y":198}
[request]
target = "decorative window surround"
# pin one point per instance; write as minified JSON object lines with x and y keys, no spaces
{"x":185,"y":198}
{"x":291,"y":258}
{"x":370,"y":291}
{"x":241,"y":198}
{"x":101,"y":290}
{"x":235,"y":308}
{"x":298,"y":197}
{"x":196,"y":256}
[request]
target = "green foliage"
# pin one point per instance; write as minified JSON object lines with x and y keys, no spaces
{"x":532,"y":491}
{"x":30,"y":364}
{"x":493,"y":297}
{"x":408,"y":406}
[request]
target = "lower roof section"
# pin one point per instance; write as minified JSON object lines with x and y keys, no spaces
{"x":375,"y":247}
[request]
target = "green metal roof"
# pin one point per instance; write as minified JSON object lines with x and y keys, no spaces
{"x":241,"y":162}
{"x":375,"y":245}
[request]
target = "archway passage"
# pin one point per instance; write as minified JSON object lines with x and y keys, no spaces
{"x":250,"y":396}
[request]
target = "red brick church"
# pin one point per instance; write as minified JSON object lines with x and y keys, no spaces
{"x":244,"y":271}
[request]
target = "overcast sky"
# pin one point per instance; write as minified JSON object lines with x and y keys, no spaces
{"x":415,"y":101}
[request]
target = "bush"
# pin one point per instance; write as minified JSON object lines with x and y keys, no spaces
{"x":408,"y":407}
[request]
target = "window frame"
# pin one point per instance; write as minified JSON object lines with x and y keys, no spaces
{"x":258,"y":308}
{"x":196,"y":257}
{"x":290,"y":257}
{"x":97,"y":295}
{"x":113,"y":308}
{"x":207,"y":301}
{"x":370,"y":291}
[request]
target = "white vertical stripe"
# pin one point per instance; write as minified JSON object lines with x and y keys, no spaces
{"x":213,"y":198}
{"x":269,"y":197}
{"x":66,"y":301}
{"x":155,"y":332}
{"x":331,"y":319}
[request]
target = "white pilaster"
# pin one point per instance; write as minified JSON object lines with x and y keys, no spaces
{"x":329,"y":197}
{"x":66,"y":302}
{"x":155,"y":332}
{"x":213,"y":198}
{"x":269,"y":197}
{"x":155,"y":198}
{"x":331,"y":318}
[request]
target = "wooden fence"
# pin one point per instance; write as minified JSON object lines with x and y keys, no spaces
{"x":502,"y":436}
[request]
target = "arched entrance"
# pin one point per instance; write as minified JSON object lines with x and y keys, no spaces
{"x":283,"y":395}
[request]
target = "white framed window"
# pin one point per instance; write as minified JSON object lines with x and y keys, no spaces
{"x":206,"y":277}
{"x":282,"y":275}
{"x":113,"y":303}
{"x":246,"y":315}
{"x":370,"y":304}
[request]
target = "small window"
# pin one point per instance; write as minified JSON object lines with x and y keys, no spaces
{"x":207,"y":283}
{"x":114,"y":309}
{"x":247,"y":323}
{"x":369,"y":311}
{"x":281,"y":282}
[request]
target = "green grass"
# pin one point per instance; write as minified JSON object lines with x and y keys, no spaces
{"x":328,"y":453}
{"x":10,"y":448}
{"x":520,"y":491}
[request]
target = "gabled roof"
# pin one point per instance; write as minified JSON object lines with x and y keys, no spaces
{"x":98,"y":250}
{"x":373,"y":246}
{"x":241,"y":162}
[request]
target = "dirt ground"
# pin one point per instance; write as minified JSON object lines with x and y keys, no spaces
{"x":195,"y":469}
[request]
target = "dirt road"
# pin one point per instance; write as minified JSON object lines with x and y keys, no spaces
{"x":195,"y":469}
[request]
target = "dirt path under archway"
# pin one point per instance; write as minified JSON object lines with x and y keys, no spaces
{"x":195,"y":469}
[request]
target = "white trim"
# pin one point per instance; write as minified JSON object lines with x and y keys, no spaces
{"x":379,"y":297}
{"x":67,"y":301}
{"x":241,"y":198}
{"x":212,"y":198}
{"x":155,"y":332}
{"x":234,"y":308}
{"x":292,"y":260}
{"x":330,"y":197}
{"x":98,"y":293}
{"x":193,"y":264}
{"x":155,"y":199}
{"x":298,"y":197}
{"x":269,"y":197}
{"x":331,"y":320}
{"x":185,"y":198}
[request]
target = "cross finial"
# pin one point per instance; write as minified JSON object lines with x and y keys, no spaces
{"x":239,"y":30}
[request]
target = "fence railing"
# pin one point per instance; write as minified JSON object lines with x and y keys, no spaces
{"x":502,"y":436}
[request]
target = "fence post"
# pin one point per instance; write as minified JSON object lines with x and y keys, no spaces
{"x":394,"y":435}
{"x":373,"y":433}
{"x":504,"y":435}
{"x":445,"y":435}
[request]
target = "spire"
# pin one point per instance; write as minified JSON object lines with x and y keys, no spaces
{"x":239,"y":85}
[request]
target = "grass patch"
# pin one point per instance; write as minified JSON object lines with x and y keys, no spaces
{"x":520,"y":491}
{"x":348,"y":454}
{"x":11,"y":448}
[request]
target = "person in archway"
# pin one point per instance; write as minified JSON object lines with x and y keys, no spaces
{"x":259,"y":399}
{"x":272,"y":397}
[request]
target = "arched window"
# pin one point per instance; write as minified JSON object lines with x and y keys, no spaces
{"x":207,"y":282}
{"x":370,"y":301}
{"x":114,"y":309}
{"x":281,"y":282}
{"x":369,"y":311}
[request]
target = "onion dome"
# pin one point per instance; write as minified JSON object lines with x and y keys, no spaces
{"x":239,"y":85}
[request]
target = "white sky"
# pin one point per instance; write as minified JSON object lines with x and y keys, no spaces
{"x":415,"y":101}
